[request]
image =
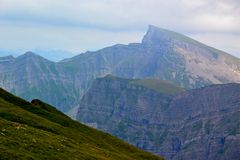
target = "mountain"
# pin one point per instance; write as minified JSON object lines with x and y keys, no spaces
{"x":162,"y":54}
{"x":30,"y":76}
{"x":166,"y":55}
{"x":199,"y":124}
{"x":37,"y":130}
{"x":52,"y":55}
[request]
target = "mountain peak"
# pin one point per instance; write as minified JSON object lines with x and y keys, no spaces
{"x":153,"y":28}
{"x":31,"y":55}
{"x":157,"y":35}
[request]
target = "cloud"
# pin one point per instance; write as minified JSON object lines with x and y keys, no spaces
{"x":28,"y":37}
{"x":81,"y":25}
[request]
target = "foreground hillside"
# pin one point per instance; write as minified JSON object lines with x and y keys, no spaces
{"x":161,"y":54}
{"x":38,"y":131}
{"x":196,"y":124}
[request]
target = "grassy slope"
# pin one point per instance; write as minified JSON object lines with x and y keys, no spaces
{"x":153,"y":84}
{"x":159,"y":85}
{"x":38,"y":131}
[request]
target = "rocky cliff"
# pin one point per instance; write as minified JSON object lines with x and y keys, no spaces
{"x":197,"y":124}
{"x":162,"y":54}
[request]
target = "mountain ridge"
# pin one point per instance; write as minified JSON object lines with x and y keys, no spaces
{"x":181,"y":37}
{"x":62,"y":84}
{"x":201,"y":123}
{"x":158,"y":85}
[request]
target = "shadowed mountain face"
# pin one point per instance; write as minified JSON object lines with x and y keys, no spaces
{"x":37,"y":130}
{"x":197,"y":124}
{"x":162,"y":54}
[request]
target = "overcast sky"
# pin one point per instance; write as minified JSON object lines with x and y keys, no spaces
{"x":81,"y":25}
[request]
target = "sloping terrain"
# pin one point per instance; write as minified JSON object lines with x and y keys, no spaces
{"x":38,"y":131}
{"x":161,"y":54}
{"x":31,"y":76}
{"x":199,"y":124}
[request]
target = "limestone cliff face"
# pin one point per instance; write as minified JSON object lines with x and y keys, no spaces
{"x":197,"y":124}
{"x":161,"y":54}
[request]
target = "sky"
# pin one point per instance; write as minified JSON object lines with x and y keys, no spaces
{"x":67,"y":28}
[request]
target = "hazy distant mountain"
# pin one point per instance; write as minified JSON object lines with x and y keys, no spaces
{"x":53,"y":55}
{"x":162,"y":118}
{"x":162,"y":54}
{"x":37,"y":130}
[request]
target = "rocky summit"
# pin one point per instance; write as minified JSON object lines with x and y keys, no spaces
{"x":161,"y":54}
{"x":199,"y":124}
